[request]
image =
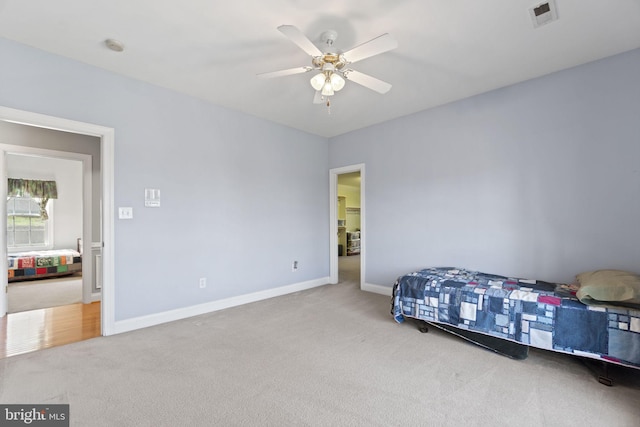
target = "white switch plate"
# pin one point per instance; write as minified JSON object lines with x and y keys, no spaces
{"x":151,"y":198}
{"x":125,"y":213}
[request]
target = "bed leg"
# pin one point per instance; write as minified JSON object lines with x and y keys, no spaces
{"x":604,"y":378}
{"x":601,"y":374}
{"x":423,"y":326}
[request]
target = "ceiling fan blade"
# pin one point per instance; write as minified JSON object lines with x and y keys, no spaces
{"x":373,"y":47}
{"x":298,"y":37}
{"x":367,"y":81}
{"x":317,"y":98}
{"x":288,"y":72}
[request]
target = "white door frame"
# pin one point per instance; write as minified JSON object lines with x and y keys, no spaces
{"x":333,"y":224}
{"x":107,"y":141}
{"x":87,"y":267}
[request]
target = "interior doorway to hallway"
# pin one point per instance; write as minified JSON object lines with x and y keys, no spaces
{"x":349,"y":227}
{"x":347,"y":224}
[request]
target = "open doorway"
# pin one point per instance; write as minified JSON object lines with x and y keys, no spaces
{"x":102,"y":185}
{"x":44,"y":235}
{"x":349,"y":227}
{"x":49,"y":266}
{"x":348,"y":236}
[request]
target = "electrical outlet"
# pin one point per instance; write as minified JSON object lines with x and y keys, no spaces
{"x":203,"y":282}
{"x":294,"y":266}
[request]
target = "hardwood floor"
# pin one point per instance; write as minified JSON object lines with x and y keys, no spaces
{"x":33,"y":330}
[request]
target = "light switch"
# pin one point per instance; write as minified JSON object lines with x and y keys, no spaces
{"x":125,"y":213}
{"x":151,"y":198}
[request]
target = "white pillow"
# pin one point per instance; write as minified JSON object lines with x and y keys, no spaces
{"x":612,"y":286}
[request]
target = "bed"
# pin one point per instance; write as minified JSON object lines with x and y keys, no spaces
{"x":509,"y":315}
{"x":43,"y":264}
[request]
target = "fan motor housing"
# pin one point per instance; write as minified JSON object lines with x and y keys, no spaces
{"x":329,"y":58}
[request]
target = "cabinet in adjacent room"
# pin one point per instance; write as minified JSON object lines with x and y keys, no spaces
{"x":342,"y":225}
{"x":353,"y":242}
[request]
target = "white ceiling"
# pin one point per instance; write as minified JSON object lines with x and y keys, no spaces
{"x":447,"y":49}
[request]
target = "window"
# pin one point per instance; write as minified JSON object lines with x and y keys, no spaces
{"x":26,"y":228}
{"x":28,"y":224}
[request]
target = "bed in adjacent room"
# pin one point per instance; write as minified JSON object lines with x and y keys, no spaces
{"x":508,"y":315}
{"x":43,"y":264}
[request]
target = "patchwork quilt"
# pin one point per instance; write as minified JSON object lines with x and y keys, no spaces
{"x":531,"y":312}
{"x":31,"y":265}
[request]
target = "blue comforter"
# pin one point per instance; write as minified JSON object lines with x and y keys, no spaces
{"x":531,"y":312}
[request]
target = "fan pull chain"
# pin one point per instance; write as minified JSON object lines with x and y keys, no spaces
{"x":328,"y":106}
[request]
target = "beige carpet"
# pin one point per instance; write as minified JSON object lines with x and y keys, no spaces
{"x":329,"y":356}
{"x":42,"y":293}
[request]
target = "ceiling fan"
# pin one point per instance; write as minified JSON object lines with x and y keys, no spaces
{"x":332,"y":66}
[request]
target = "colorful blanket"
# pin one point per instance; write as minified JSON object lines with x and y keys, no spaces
{"x":531,"y":312}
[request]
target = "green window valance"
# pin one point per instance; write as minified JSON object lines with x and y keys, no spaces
{"x":33,"y":188}
{"x":43,"y":190}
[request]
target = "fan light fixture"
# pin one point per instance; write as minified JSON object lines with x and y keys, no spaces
{"x":327,"y":81}
{"x":317,"y":81}
{"x":337,"y":82}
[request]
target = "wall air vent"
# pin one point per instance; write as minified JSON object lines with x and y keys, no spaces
{"x":544,"y":13}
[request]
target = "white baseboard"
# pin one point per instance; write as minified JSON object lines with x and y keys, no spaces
{"x":96,"y":296}
{"x":196,"y":310}
{"x":378,"y":289}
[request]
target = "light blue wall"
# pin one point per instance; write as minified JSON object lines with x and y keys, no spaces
{"x":540,"y":179}
{"x":241,"y":197}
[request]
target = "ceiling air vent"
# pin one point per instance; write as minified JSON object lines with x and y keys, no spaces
{"x":544,"y":13}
